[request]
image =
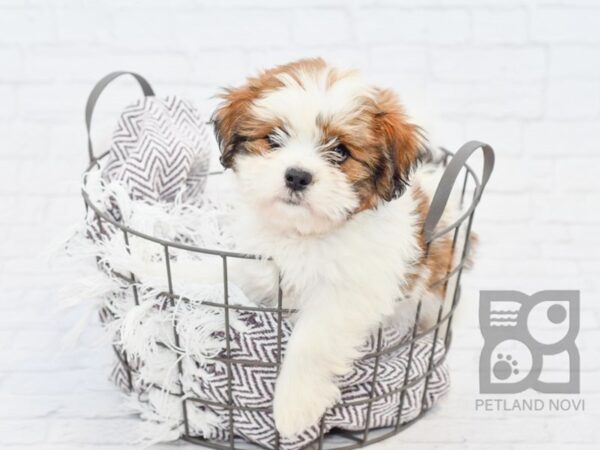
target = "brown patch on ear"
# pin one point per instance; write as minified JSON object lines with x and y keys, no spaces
{"x":235,"y":128}
{"x":402,"y":141}
{"x":383,"y":145}
{"x":228,"y":118}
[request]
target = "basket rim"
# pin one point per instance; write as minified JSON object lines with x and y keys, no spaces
{"x":241,"y":255}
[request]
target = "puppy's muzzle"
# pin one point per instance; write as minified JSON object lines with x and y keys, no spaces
{"x":297,"y":179}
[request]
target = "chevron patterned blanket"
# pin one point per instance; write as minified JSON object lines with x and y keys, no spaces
{"x":253,"y":385}
{"x":147,"y":170}
{"x":155,"y":387}
{"x":160,"y":148}
{"x":149,"y":362}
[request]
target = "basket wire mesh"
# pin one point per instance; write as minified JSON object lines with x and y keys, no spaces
{"x":472,"y":186}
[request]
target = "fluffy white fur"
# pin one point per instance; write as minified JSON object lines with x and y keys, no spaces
{"x":343,"y":272}
{"x":344,"y":283}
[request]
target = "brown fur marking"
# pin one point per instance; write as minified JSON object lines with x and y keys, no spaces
{"x":438,"y":259}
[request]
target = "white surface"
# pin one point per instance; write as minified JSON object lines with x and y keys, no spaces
{"x":523,"y":76}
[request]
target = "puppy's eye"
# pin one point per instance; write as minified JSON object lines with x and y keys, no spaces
{"x":341,"y":153}
{"x":273,"y":143}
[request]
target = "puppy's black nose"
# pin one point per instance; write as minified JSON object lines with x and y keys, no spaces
{"x":297,"y":179}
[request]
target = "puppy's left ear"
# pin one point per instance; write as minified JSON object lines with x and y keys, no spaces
{"x":403,"y":142}
{"x":227,"y":120}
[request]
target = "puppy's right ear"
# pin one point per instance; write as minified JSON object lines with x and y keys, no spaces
{"x":403,"y":142}
{"x":228,"y":119}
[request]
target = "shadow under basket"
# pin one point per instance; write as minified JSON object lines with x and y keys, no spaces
{"x":225,"y":401}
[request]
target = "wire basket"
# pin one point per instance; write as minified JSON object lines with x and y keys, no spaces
{"x":471,"y":190}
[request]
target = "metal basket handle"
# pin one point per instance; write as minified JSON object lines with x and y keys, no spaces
{"x":442,"y":193}
{"x":95,"y":94}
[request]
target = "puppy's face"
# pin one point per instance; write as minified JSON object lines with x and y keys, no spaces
{"x":313,"y":145}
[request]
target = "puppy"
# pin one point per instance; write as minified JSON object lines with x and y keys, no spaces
{"x":325,"y":165}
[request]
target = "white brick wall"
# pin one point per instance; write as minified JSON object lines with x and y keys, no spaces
{"x":524,"y":76}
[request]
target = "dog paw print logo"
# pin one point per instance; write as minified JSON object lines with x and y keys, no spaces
{"x":529,"y":342}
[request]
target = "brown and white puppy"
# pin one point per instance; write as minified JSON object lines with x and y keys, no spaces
{"x":326,"y":166}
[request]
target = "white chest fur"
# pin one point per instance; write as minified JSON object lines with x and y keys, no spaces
{"x":369,"y":255}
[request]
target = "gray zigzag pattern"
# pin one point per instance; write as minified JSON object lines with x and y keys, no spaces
{"x":158,"y":147}
{"x":254,"y":386}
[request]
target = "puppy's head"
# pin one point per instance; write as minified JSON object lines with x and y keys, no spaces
{"x":312,"y":145}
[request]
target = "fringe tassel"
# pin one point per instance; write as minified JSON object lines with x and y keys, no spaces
{"x":145,"y":331}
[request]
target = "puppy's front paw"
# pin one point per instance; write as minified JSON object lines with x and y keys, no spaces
{"x":301,"y":400}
